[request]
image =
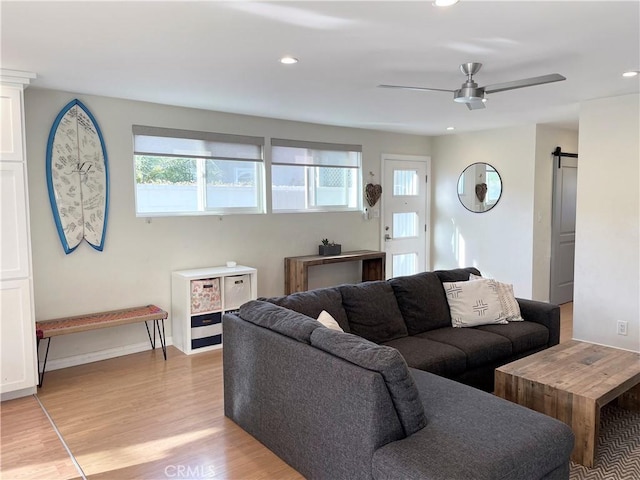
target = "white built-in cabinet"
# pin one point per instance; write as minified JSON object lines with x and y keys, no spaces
{"x":18,"y":363}
{"x":199,"y":299}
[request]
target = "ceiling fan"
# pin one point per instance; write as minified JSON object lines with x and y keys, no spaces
{"x":473,"y":95}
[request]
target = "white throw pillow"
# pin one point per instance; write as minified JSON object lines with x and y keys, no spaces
{"x":328,"y":321}
{"x":474,"y":303}
{"x":510,"y":306}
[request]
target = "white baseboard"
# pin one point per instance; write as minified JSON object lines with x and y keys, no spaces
{"x":55,"y":364}
{"x":17,"y":393}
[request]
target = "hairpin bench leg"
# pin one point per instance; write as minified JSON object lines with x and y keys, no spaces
{"x":153,"y":342}
{"x":44,"y":366}
{"x":160,"y":334}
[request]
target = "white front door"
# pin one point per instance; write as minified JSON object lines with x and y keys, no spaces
{"x":405,"y":213}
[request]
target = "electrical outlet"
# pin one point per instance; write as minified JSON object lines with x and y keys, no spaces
{"x":622,"y":327}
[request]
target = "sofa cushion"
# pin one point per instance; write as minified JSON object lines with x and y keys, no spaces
{"x":480,"y":347}
{"x":434,"y":357}
{"x":385,"y":360}
{"x":373,"y":311}
{"x":456,"y":274}
{"x":524,"y":336}
{"x":313,"y":302}
{"x":279,"y":319}
{"x":422,"y":302}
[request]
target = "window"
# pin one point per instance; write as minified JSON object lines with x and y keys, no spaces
{"x":314,"y":176}
{"x":494,"y":186}
{"x":180,"y":172}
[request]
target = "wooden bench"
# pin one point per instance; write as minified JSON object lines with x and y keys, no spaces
{"x":93,"y":321}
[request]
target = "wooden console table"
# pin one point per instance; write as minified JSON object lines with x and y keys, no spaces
{"x":296,"y":278}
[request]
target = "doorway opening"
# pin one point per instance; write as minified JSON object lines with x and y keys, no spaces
{"x":563,"y":226}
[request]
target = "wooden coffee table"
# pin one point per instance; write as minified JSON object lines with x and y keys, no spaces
{"x":572,"y":382}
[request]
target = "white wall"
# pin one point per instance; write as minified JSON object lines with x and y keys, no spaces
{"x":135,"y":266}
{"x":607,"y":287}
{"x":497,"y":242}
{"x":547,"y":139}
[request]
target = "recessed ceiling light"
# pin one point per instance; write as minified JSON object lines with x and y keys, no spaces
{"x":444,"y":3}
{"x":630,"y":73}
{"x":288,"y":60}
{"x":484,"y":100}
{"x":451,"y":128}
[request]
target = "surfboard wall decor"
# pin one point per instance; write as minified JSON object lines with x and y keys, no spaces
{"x":78,"y":177}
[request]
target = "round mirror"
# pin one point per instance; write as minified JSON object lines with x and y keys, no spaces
{"x":479,"y":187}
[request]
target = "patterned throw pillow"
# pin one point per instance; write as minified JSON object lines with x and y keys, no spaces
{"x":474,"y":303}
{"x":510,"y":305}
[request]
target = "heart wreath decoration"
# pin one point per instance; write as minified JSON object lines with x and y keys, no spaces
{"x":481,"y":191}
{"x":372,"y":193}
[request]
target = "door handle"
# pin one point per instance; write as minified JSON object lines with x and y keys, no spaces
{"x":387,"y":237}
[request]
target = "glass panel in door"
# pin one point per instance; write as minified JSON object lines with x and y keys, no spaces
{"x":405,"y":224}
{"x":405,"y":182}
{"x":405,"y":264}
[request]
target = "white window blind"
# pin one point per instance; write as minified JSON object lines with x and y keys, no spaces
{"x":183,"y":172}
{"x":315,"y":176}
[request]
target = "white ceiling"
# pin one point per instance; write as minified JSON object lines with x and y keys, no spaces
{"x":224,"y":56}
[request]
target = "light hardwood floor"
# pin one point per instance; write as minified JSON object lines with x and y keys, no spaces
{"x":139,"y":417}
{"x":31,"y":448}
{"x":566,"y":322}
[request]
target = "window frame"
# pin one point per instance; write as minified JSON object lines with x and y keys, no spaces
{"x":141,"y":140}
{"x":312,"y":174}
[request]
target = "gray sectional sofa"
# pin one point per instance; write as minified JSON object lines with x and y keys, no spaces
{"x":336,"y":405}
{"x":411,"y":314}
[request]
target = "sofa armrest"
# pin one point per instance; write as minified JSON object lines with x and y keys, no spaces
{"x":547,"y":314}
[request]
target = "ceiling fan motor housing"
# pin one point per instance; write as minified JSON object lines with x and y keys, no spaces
{"x":469,"y":92}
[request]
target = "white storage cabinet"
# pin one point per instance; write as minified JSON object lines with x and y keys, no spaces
{"x":200,"y":297}
{"x":18,"y":363}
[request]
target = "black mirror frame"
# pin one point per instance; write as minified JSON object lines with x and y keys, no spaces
{"x":501,"y":187}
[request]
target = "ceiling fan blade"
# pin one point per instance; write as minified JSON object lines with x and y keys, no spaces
{"x":475,"y":105}
{"x":526,"y":82}
{"x":416,"y":88}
